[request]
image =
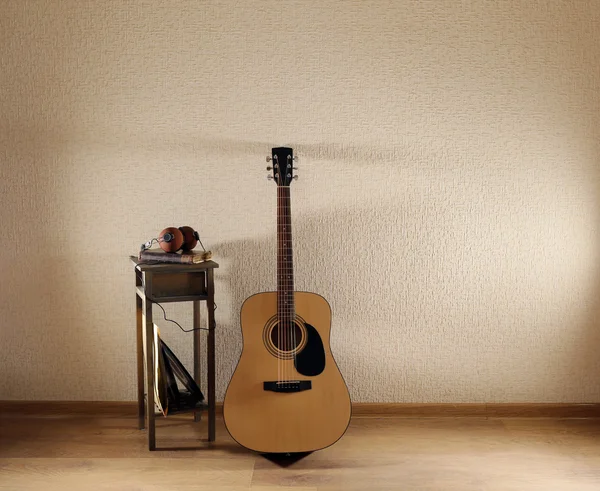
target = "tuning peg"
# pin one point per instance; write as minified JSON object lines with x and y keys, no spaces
{"x":295,"y":177}
{"x":269,"y":159}
{"x":269,"y":168}
{"x":270,"y":177}
{"x":295,"y":168}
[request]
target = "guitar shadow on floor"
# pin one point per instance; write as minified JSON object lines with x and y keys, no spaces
{"x":287,"y":459}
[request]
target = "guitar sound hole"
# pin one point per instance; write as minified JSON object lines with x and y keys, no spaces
{"x":286,"y":336}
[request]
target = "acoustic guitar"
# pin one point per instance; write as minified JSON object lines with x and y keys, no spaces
{"x":287,"y":394}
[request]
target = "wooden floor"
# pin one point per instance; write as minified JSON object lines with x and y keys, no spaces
{"x":84,"y":452}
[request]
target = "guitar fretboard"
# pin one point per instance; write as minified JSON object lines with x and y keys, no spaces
{"x":285,"y":263}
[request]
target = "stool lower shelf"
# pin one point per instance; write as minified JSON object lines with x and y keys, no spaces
{"x":198,"y":409}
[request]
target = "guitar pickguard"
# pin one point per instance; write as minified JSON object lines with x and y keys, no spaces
{"x":311,"y":360}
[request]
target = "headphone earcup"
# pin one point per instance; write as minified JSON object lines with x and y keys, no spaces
{"x":189,"y":238}
{"x":170,"y":239}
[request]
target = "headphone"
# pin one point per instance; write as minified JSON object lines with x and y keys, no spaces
{"x":173,"y":239}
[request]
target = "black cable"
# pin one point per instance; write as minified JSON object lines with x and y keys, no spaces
{"x":179,"y":325}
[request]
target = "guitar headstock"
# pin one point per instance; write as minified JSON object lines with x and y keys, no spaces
{"x":283,"y":166}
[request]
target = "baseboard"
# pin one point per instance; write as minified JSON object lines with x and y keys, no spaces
{"x":359,"y":409}
{"x":69,"y":407}
{"x":484,"y":410}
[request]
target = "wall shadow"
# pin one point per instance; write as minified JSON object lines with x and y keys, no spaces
{"x":413,"y":313}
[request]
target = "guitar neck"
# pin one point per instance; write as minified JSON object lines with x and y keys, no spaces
{"x":285,"y":262}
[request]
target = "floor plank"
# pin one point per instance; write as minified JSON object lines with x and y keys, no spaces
{"x":108,"y":453}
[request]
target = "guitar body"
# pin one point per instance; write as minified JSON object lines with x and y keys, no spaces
{"x":305,"y":405}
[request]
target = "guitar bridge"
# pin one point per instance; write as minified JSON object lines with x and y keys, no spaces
{"x":288,"y":385}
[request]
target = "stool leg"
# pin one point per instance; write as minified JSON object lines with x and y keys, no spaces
{"x":150,"y":374}
{"x":140,"y":360}
{"x":210,"y":348}
{"x":197,"y":374}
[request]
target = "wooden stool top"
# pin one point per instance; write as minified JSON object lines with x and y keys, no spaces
{"x":172,"y":267}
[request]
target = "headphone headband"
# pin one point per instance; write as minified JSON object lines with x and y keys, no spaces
{"x":173,"y":239}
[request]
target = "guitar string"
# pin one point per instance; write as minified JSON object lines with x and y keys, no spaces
{"x":291,"y":269}
{"x":286,"y":316}
{"x":285,"y":287}
{"x":284,"y":283}
{"x":279,"y":286}
{"x":279,"y":317}
{"x":291,"y":285}
{"x":290,"y":326}
{"x":292,"y":272}
{"x":284,"y":280}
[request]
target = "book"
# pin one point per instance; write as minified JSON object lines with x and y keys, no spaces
{"x":158,"y":255}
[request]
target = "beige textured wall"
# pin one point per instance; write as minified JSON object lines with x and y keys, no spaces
{"x":448,"y":201}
